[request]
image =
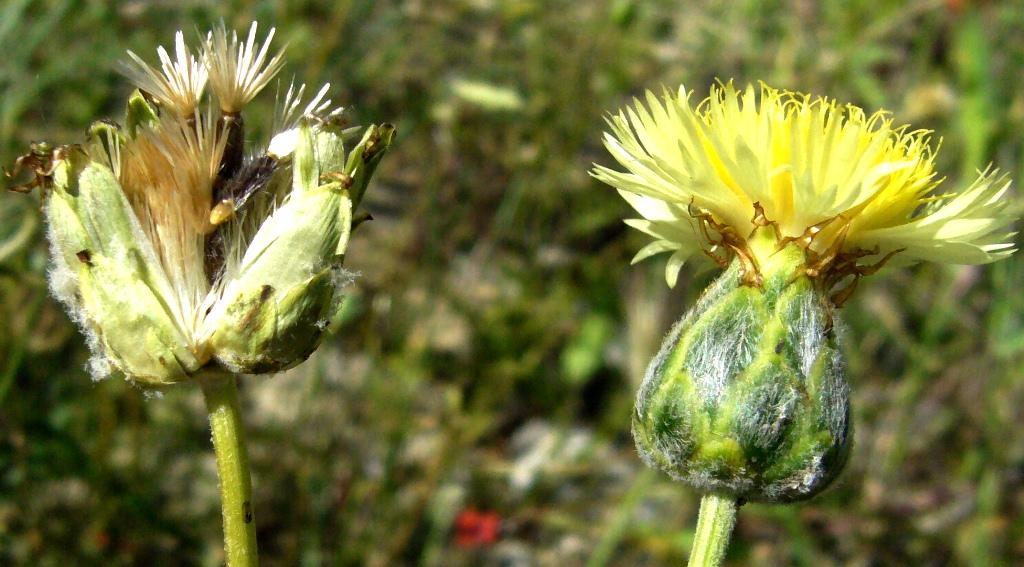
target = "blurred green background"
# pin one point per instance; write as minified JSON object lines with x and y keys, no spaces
{"x":473,"y":406}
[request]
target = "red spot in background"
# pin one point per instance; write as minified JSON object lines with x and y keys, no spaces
{"x":475,"y":528}
{"x":101,"y":539}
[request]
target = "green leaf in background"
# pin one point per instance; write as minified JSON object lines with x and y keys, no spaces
{"x":585,"y":352}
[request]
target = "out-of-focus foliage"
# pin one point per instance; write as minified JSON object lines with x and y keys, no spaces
{"x":487,"y":358}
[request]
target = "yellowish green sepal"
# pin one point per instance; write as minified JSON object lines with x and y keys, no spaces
{"x":273,"y":314}
{"x":363,"y":159}
{"x":132,"y":324}
{"x":140,"y":113}
{"x":117,"y":288}
{"x":330,"y":146}
{"x":306,"y":169}
{"x":104,"y":138}
{"x":67,"y":234}
{"x":267,"y":331}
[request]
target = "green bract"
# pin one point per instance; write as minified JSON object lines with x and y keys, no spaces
{"x":747,"y":396}
{"x":273,"y":313}
{"x":107,"y":272}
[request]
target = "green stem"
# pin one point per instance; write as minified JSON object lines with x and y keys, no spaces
{"x":232,"y":469}
{"x":714,"y":528}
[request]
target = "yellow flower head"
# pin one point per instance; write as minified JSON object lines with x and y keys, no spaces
{"x":851,"y":190}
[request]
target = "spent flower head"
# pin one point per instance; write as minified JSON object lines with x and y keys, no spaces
{"x":175,"y":250}
{"x":852,"y":190}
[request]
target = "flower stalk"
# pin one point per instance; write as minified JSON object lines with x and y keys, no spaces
{"x":221,"y":395}
{"x":714,"y":530}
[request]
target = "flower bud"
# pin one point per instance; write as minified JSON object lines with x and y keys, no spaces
{"x":747,"y":396}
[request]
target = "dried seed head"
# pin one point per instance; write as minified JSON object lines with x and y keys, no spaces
{"x":239,"y":72}
{"x":179,"y":84}
{"x":173,"y":250}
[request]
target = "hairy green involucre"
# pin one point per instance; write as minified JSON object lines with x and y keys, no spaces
{"x":747,"y":396}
